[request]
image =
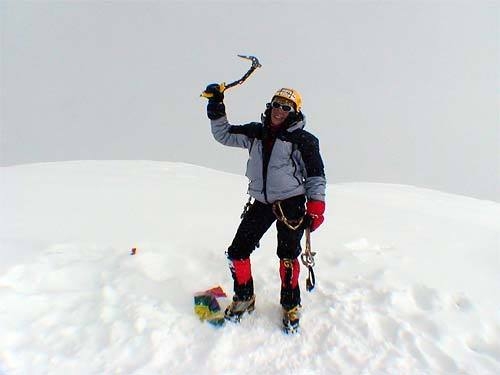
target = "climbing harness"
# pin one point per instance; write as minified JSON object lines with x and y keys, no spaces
{"x":293,"y":224}
{"x":246,"y":208}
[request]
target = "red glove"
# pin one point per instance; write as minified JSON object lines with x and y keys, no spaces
{"x":315,"y":210}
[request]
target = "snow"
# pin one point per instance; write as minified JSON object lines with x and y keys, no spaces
{"x":407,"y":278}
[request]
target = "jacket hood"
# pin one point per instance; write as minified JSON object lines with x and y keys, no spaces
{"x":298,"y":124}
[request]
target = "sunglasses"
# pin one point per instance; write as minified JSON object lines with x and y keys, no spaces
{"x":284,"y":107}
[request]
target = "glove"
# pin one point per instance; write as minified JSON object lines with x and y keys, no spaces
{"x":214,"y":92}
{"x":314,"y":212}
{"x":215,"y":107}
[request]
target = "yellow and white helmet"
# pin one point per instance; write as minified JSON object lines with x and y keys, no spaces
{"x":291,"y":95}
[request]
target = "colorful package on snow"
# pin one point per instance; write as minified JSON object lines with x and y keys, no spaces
{"x":206,"y":306}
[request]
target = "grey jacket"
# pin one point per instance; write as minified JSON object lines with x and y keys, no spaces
{"x":293,"y":168}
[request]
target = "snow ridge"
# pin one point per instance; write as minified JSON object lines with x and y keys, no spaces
{"x":401,"y":288}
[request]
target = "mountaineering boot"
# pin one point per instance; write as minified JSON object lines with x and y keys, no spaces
{"x":238,"y":307}
{"x":244,"y":297}
{"x":291,"y":320}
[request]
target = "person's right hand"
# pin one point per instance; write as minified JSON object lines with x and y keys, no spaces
{"x":214,"y":92}
{"x":215,"y":107}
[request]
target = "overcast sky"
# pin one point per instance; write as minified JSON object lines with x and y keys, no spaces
{"x":401,"y":92}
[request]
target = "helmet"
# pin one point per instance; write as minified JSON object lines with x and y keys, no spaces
{"x":292,"y":95}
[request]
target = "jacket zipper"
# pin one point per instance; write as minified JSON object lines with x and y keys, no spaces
{"x":295,"y":167}
{"x":266,"y":157}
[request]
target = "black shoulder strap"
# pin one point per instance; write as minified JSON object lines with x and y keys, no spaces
{"x":251,"y":130}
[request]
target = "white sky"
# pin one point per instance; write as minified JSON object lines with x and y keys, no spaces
{"x":401,"y":92}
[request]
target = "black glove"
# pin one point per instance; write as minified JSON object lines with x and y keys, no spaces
{"x":215,"y":107}
{"x":214,"y":92}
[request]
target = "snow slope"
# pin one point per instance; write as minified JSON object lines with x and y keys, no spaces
{"x":407,"y":278}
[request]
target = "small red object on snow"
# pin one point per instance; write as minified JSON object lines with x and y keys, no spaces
{"x":134,"y":250}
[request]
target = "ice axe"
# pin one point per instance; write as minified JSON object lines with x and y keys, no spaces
{"x":223,"y":87}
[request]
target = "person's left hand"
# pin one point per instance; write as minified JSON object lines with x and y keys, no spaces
{"x":315,"y":211}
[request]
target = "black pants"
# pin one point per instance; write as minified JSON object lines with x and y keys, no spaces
{"x":254,"y":225}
